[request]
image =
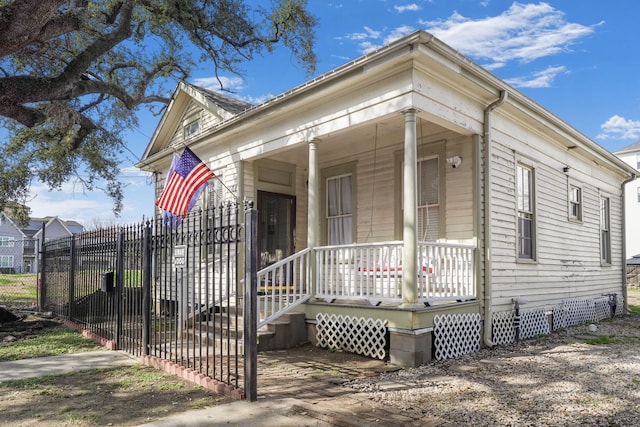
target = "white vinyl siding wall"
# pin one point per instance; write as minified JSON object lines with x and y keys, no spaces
{"x":568,"y":252}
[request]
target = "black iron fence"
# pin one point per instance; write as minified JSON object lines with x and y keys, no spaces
{"x":171,"y":294}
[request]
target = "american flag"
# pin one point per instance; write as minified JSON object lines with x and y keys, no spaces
{"x":189,"y":175}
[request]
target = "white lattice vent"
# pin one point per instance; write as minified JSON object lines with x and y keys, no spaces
{"x":359,"y":335}
{"x":502,"y":326}
{"x":575,"y":311}
{"x":456,"y":334}
{"x":620,"y":306}
{"x":533,"y":323}
{"x":602,"y":309}
{"x":559,"y":317}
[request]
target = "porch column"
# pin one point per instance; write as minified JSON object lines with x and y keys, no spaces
{"x":313,"y":210}
{"x":410,"y":191}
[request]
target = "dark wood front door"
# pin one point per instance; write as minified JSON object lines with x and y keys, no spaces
{"x":276,"y":226}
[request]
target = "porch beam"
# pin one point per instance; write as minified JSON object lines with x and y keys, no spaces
{"x":409,"y":235}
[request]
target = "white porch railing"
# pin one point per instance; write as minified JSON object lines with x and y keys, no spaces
{"x":283,"y":286}
{"x":369,"y":271}
{"x":373,"y":272}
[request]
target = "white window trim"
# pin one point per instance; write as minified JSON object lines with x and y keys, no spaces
{"x":605,"y":259}
{"x":8,"y":258}
{"x":580,"y":203}
{"x":7,"y":242}
{"x":533,"y":212}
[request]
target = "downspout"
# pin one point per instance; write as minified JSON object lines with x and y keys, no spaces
{"x":625,"y":306}
{"x":488,"y":182}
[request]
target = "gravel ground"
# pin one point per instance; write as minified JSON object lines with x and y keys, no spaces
{"x":571,"y":377}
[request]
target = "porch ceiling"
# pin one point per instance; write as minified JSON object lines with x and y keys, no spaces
{"x":384,"y":132}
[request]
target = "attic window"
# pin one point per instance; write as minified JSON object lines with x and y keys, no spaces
{"x":191,"y":128}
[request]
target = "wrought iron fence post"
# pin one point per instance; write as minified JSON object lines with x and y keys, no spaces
{"x":42,"y":285}
{"x":146,"y":288}
{"x":250,"y":304}
{"x":119,"y":287}
{"x":72,"y":277}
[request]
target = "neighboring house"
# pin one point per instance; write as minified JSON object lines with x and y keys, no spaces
{"x":631,"y":156}
{"x":424,"y":188}
{"x":20,"y":246}
{"x":633,"y":271}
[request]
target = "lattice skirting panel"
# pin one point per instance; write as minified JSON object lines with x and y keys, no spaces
{"x":575,"y":311}
{"x":502,"y":325}
{"x":456,"y":334}
{"x":359,"y":335}
{"x":534,"y":323}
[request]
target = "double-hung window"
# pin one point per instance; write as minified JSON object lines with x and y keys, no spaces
{"x":6,"y":242}
{"x":339,"y":210}
{"x":526,"y":213}
{"x":575,"y":203}
{"x":6,"y":261}
{"x":605,"y":230}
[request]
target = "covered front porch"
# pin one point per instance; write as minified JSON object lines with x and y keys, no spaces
{"x":390,"y":222}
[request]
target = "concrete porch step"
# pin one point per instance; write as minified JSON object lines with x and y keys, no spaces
{"x":288,"y":331}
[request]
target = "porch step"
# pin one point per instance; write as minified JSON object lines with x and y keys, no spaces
{"x":288,"y":331}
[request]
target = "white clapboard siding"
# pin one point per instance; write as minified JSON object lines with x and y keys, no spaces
{"x":568,"y":252}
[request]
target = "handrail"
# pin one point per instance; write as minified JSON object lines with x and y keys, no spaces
{"x":283,"y":286}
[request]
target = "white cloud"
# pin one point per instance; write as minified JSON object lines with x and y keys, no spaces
{"x":407,"y":8}
{"x":539,"y":79}
{"x":367,"y":34}
{"x":523,"y":33}
{"x":228,"y":83}
{"x":620,"y":128}
{"x":367,"y":46}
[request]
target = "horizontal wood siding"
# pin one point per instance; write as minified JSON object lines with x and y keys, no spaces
{"x":568,"y":252}
{"x":458,"y":209}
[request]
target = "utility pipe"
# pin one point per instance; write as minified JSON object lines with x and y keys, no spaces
{"x":488,"y":182}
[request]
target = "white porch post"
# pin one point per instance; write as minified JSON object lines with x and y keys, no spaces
{"x":313,"y":211}
{"x":410,"y":191}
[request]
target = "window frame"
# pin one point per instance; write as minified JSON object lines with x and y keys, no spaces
{"x":191,"y":127}
{"x":9,"y":258}
{"x":578,"y":204}
{"x":605,"y":230}
{"x":347,"y":169}
{"x":7,"y":242}
{"x":527,"y":212}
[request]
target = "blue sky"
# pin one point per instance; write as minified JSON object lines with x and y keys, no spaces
{"x":578,"y":59}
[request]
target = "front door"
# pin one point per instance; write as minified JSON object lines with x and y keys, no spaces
{"x":276,"y":226}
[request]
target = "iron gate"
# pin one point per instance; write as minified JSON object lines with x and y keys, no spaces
{"x":172,"y":294}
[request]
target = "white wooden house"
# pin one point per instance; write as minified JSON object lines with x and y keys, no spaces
{"x":412,"y":197}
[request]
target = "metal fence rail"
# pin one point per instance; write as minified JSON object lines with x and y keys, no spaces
{"x":157,"y":291}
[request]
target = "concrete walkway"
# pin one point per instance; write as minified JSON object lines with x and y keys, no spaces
{"x":58,"y":365}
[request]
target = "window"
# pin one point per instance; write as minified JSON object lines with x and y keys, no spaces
{"x":637,"y":161}
{"x":214,"y":191}
{"x":525,"y":213}
{"x":339,"y":210}
{"x":428,"y":199}
{"x":6,"y":260}
{"x":191,"y":128}
{"x":638,"y":190}
{"x":575,"y":203}
{"x":6,"y":242}
{"x":605,"y":231}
